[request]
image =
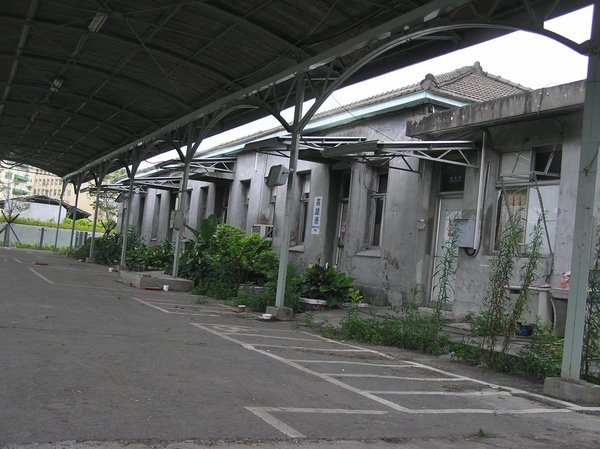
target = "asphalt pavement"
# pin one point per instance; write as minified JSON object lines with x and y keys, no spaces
{"x":89,"y":362}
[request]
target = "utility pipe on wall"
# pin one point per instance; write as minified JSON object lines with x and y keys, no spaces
{"x":481,"y":189}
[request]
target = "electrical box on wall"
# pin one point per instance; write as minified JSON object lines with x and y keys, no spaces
{"x":277,"y":176}
{"x":465,"y":227}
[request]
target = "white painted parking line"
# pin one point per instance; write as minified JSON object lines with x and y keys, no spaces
{"x":290,"y":432}
{"x":381,"y":354}
{"x":514,"y":391}
{"x":299,"y":367}
{"x":170,"y":312}
{"x":41,"y":276}
{"x":561,"y":406}
{"x":346,"y":362}
{"x":265,"y":414}
{"x":305,"y":348}
{"x":443,"y":393}
{"x":488,"y":411}
{"x":381,"y":376}
{"x":17,"y":260}
{"x":273,"y":336}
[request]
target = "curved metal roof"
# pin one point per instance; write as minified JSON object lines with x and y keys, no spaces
{"x":80,"y":79}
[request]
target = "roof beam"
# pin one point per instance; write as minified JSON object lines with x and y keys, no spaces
{"x":54,"y":110}
{"x":244,"y":22}
{"x":207,"y":70}
{"x":73,"y":93}
{"x":127,"y":81}
{"x":20,"y":47}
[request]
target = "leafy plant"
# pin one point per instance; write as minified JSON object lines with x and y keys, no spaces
{"x":542,"y":357}
{"x":410,"y":330}
{"x":208,"y":227}
{"x":591,"y":337}
{"x":228,"y":258}
{"x":528,"y":277}
{"x":258,"y":301}
{"x":496,"y":299}
{"x":107,"y":249}
{"x":326,"y":283}
{"x":445,"y":271}
{"x":143,"y":258}
{"x":355,"y":296}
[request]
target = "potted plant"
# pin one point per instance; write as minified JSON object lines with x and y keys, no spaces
{"x":324,"y":286}
{"x":356,"y":298}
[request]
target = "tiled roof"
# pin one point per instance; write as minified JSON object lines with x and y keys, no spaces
{"x":472,"y":83}
{"x":469,"y":84}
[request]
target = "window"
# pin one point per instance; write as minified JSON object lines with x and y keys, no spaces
{"x":304,"y":183}
{"x":452,"y":178}
{"x":377,"y":208}
{"x":529,"y":183}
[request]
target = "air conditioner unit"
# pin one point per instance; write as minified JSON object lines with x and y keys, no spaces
{"x":264,"y":230}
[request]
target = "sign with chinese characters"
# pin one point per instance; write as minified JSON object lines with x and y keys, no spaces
{"x":315,"y":227}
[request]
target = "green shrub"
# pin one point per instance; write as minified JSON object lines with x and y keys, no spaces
{"x":144,"y":258}
{"x":543,"y":356}
{"x":539,"y":359}
{"x":410,"y":330}
{"x":83,"y":224}
{"x":107,"y":249}
{"x":326,"y":283}
{"x":227,"y":260}
{"x":259,"y":301}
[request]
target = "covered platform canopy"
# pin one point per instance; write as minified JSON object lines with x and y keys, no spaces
{"x":85,"y":82}
{"x":88,"y":86}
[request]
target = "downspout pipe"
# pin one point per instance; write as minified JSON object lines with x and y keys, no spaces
{"x":480,"y":193}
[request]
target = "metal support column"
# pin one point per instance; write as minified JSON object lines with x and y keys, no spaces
{"x":182,"y":207}
{"x":583,"y":233}
{"x":125,"y":228}
{"x":99,"y":178}
{"x":77,"y":188}
{"x":60,"y":208}
{"x":290,"y":197}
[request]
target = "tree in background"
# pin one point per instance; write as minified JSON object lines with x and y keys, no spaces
{"x":107,"y":204}
{"x":10,"y":207}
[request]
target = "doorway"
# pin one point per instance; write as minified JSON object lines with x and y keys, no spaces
{"x":450,"y":208}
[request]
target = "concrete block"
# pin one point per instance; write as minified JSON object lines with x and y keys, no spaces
{"x":281,"y":313}
{"x":579,"y":392}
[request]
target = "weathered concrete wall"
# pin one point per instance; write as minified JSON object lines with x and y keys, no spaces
{"x":473,"y":273}
{"x":405,"y":256}
{"x":560,"y":99}
{"x":389,"y":272}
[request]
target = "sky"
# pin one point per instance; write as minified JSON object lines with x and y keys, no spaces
{"x":528,"y":59}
